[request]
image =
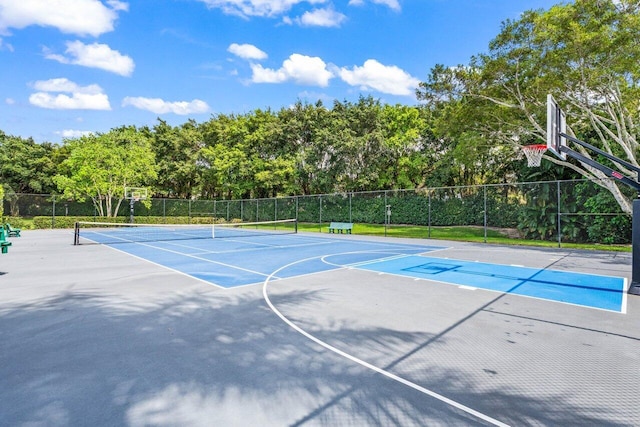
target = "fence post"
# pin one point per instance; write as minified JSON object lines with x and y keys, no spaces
{"x":53,"y":213}
{"x":384,"y":213}
{"x":484,"y":188}
{"x":320,"y":211}
{"x":559,"y":216}
{"x":429,"y":220}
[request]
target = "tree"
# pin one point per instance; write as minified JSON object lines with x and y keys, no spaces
{"x":408,"y":146}
{"x":177,"y":150}
{"x":225,"y":158}
{"x":357,"y":136}
{"x":304,"y":135}
{"x":101,"y":166}
{"x":26,"y":166}
{"x":586,"y":53}
{"x":272,"y":158}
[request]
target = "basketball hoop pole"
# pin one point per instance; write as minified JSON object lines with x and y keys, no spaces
{"x":132,"y":202}
{"x":634,"y":287}
{"x":134,"y":194}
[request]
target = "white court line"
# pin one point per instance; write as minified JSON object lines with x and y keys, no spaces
{"x":359,"y":264}
{"x":166,"y":267}
{"x":361,"y":362}
{"x":301,"y":245}
{"x":198,"y":258}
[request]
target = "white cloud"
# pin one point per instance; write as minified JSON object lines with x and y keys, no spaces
{"x":81,"y":17}
{"x":247,"y":51}
{"x":392,"y":4}
{"x":261,"y":8}
{"x":10,"y":101}
{"x":382,"y":78}
{"x":81,"y":97}
{"x":72,"y":133}
{"x":322,"y":18}
{"x":301,"y":69}
{"x":95,"y":55}
{"x":160,"y":106}
{"x":77,"y":101}
{"x":65,"y":85}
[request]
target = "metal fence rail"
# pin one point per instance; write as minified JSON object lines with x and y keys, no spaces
{"x":562,"y":211}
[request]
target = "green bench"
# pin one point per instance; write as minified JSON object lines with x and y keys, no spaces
{"x":4,"y":243}
{"x":12,"y":232}
{"x":340,"y":227}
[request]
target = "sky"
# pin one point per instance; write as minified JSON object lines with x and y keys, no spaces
{"x":72,"y":67}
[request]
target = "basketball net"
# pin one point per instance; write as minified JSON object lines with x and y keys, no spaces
{"x":534,"y":154}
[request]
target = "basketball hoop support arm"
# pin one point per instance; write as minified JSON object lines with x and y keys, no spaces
{"x":610,"y":172}
{"x":634,"y":287}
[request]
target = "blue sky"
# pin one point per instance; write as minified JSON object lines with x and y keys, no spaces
{"x":70,"y":67}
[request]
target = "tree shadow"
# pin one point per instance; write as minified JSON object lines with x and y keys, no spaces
{"x":213,"y":358}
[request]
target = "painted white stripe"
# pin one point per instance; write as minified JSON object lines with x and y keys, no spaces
{"x":361,"y":362}
{"x":358,"y":264}
{"x":235,"y":267}
{"x":165,"y":267}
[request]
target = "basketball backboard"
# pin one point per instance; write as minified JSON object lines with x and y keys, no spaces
{"x":556,"y":124}
{"x":135,"y":193}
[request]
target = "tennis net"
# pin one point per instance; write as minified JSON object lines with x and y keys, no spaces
{"x":87,"y":232}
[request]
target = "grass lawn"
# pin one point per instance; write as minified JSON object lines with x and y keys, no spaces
{"x":460,"y":233}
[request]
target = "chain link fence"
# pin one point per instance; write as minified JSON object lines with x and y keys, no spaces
{"x":577,"y":211}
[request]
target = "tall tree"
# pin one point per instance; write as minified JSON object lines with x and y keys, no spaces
{"x":305,"y":129}
{"x":408,"y":146}
{"x":101,"y":166}
{"x":357,"y":135}
{"x":586,"y":53}
{"x":225,"y":158}
{"x":26,"y":166}
{"x":177,"y":150}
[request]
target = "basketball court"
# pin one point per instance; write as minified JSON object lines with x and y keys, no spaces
{"x":312,"y":329}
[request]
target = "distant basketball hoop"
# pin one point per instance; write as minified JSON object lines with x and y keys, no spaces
{"x":134,"y":194}
{"x":534,"y":154}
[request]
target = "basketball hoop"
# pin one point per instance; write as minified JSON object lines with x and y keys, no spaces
{"x":534,"y":154}
{"x":135,"y":193}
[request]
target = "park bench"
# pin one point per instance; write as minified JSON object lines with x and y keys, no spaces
{"x":340,"y":227}
{"x":12,"y":232}
{"x":4,"y":243}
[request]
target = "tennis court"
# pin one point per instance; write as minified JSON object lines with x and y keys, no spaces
{"x":307,"y":329}
{"x":236,"y":259}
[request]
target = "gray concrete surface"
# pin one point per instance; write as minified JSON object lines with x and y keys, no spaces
{"x":92,"y":336}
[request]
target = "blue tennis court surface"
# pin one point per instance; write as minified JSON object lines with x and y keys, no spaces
{"x":232,"y":262}
{"x":603,"y":292}
{"x":240,"y":261}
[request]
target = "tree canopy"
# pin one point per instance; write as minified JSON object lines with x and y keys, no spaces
{"x":585,"y":53}
{"x":467,"y":130}
{"x":101,"y":166}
